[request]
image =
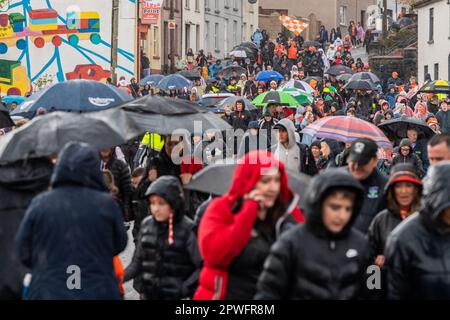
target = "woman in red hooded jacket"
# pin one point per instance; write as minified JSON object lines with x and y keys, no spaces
{"x":238,"y":229}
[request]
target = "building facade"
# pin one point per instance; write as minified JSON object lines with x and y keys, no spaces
{"x":165,"y":32}
{"x":48,"y":41}
{"x":223,"y":26}
{"x":330,"y":13}
{"x":250,"y":19}
{"x":193,"y":25}
{"x":433,"y":39}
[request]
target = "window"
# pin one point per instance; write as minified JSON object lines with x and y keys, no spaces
{"x":436,"y":71}
{"x":227,"y":4}
{"x":216,"y":36}
{"x":206,"y":45}
{"x":217,"y":5}
{"x":226,"y":35}
{"x":431,"y":36}
{"x":187,"y":4}
{"x":244,"y":31}
{"x":235,"y":5}
{"x":155,"y":41}
{"x":197,"y":5}
{"x":343,"y":15}
{"x":235,"y":26}
{"x":425,"y":71}
{"x":207,"y":4}
{"x":197,"y":37}
{"x":188,"y":36}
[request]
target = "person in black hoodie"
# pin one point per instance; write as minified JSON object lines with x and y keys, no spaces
{"x":326,"y":258}
{"x":167,"y":254}
{"x":417,"y":252}
{"x":76,"y":223}
{"x":403,"y":193}
{"x":20,"y":182}
{"x":407,"y":155}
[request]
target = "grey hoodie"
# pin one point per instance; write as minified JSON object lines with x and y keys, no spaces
{"x":290,"y":156}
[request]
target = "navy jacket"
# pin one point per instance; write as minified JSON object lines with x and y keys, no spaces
{"x":78,"y":224}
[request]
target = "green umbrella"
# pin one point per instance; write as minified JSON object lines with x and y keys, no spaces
{"x":301,"y":96}
{"x":276,"y":97}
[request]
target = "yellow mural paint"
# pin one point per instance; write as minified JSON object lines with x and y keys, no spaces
{"x":89,"y":15}
{"x":43,"y":27}
{"x":6,"y":32}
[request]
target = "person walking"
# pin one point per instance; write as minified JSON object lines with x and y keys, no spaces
{"x":74,"y":226}
{"x":303,"y":263}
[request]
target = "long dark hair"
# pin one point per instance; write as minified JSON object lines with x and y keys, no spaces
{"x":393,"y":205}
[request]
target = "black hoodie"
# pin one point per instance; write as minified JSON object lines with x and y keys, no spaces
{"x":418,"y":250}
{"x":169,"y":271}
{"x":309,"y":262}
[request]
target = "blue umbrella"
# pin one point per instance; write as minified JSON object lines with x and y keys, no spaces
{"x":73,"y":96}
{"x":267,"y":76}
{"x":152,"y":79}
{"x":173,"y":82}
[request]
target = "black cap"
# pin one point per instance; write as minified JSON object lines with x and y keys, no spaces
{"x":362,"y":151}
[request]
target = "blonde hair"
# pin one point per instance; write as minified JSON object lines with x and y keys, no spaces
{"x":109,"y":180}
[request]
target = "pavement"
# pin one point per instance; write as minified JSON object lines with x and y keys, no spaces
{"x":126,"y":256}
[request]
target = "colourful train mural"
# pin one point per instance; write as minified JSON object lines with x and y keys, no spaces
{"x":43,"y":28}
{"x":61,"y":40}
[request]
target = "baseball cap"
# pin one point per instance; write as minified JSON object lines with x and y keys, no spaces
{"x":362,"y":151}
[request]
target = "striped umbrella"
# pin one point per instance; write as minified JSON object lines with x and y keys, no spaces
{"x":346,"y":129}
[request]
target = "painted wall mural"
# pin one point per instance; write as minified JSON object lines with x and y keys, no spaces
{"x":63,"y":40}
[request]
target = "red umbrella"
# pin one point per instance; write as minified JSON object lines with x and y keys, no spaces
{"x":346,"y":129}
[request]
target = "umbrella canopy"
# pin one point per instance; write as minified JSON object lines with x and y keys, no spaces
{"x":216,"y":179}
{"x":73,"y":96}
{"x":48,"y":134}
{"x":338,"y":70}
{"x":308,"y":79}
{"x":173,"y":82}
{"x":231,"y":101}
{"x":152,"y":79}
{"x":228,"y":71}
{"x":166,"y":115}
{"x":344,"y":77}
{"x":346,"y":129}
{"x":360,"y":85}
{"x":302,"y":85}
{"x":190,"y":75}
{"x":398,"y":128}
{"x":250,"y":45}
{"x":239,"y":53}
{"x":301,"y":96}
{"x":365,"y":76}
{"x":438,"y":86}
{"x":5,"y":119}
{"x":250,"y":52}
{"x":276,"y":97}
{"x":312,"y":43}
{"x":266,"y":76}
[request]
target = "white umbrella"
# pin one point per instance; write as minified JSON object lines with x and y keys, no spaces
{"x":239,"y":54}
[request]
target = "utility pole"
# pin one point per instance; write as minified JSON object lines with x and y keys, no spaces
{"x":138,"y":40}
{"x":172,"y":39}
{"x":114,"y":39}
{"x":385,"y":19}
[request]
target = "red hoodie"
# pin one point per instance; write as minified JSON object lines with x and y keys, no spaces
{"x":222,"y":234}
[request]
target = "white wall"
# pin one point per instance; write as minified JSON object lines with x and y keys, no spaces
{"x":38,"y":61}
{"x":439,"y":51}
{"x":194,"y":19}
{"x":250,"y":20}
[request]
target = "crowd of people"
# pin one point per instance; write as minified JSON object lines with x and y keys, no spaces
{"x":364,"y":206}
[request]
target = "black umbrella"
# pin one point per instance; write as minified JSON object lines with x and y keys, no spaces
{"x":360,"y":85}
{"x":308,"y":79}
{"x":251,"y":53}
{"x":365,"y":76}
{"x":338,"y":70}
{"x":397,"y":128}
{"x":312,"y":43}
{"x":5,"y":119}
{"x":48,"y":134}
{"x":249,"y":45}
{"x":191,"y":75}
{"x":231,"y":101}
{"x":228,"y":71}
{"x":344,"y":77}
{"x":216,"y":179}
{"x":166,"y":116}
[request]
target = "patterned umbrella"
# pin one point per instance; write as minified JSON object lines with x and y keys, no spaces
{"x":346,"y":129}
{"x":302,"y":85}
{"x":301,"y":96}
{"x":275,"y":97}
